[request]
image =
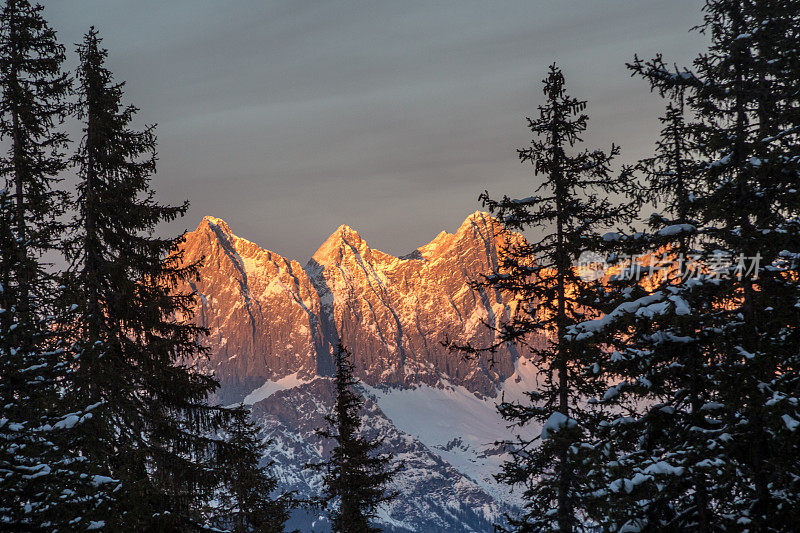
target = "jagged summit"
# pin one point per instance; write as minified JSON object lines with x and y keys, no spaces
{"x":246,"y":253}
{"x":479,"y":215}
{"x":479,"y":224}
{"x":341,"y":242}
{"x":214,"y":221}
{"x":346,"y":240}
{"x":479,"y":221}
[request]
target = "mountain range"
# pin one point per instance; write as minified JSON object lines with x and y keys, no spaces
{"x":273,"y":324}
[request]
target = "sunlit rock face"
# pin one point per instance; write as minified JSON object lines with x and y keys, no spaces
{"x":261,"y":310}
{"x":269,"y":317}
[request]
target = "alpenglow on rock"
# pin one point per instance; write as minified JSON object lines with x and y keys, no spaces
{"x":269,"y":317}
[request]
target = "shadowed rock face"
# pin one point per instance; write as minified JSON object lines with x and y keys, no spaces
{"x":269,"y":317}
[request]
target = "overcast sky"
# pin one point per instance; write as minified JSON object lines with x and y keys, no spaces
{"x":290,"y":118}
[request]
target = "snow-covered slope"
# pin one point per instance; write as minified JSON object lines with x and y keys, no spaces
{"x":436,"y":495}
{"x":462,"y":428}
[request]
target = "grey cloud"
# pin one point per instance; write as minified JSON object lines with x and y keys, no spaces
{"x":290,"y":118}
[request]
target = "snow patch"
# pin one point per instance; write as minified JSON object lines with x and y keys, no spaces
{"x":271,"y":387}
{"x":791,"y":423}
{"x":556,"y":423}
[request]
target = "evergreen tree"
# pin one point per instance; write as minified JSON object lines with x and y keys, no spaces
{"x":718,"y":352}
{"x":137,"y":352}
{"x":246,"y":499}
{"x":34,"y":92}
{"x":356,"y":477}
{"x":551,"y":295}
{"x":43,"y":484}
{"x":660,"y":392}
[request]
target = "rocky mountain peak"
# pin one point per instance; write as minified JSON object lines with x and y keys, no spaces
{"x":214,"y":222}
{"x":342,"y":242}
{"x":479,"y":225}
